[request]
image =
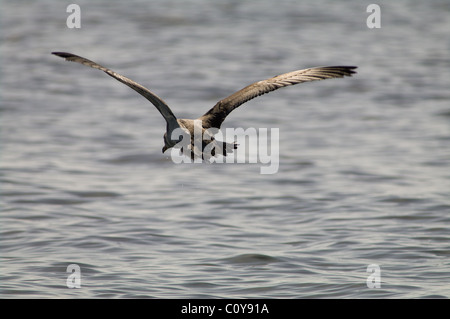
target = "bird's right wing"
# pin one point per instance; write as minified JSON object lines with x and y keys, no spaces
{"x":162,"y":107}
{"x":215,"y":116}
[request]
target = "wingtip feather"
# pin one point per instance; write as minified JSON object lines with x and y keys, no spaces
{"x":64,"y":55}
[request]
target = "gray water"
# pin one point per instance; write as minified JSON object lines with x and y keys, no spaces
{"x":364,"y":163}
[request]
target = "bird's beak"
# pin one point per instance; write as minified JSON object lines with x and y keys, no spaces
{"x":164,"y":149}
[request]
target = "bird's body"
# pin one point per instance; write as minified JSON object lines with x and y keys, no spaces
{"x":216,"y":115}
{"x":199,"y":137}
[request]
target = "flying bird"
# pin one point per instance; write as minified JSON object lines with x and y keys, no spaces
{"x":212,"y":120}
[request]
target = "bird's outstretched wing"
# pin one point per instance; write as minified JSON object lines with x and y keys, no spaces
{"x":215,"y":116}
{"x":162,"y":107}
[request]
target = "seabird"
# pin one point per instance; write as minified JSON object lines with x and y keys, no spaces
{"x":216,"y":115}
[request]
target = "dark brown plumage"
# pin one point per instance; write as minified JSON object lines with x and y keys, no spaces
{"x":217,"y":114}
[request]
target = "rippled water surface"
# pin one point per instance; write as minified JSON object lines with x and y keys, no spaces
{"x":364,"y":162}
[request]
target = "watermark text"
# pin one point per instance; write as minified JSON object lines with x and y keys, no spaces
{"x":253,"y":146}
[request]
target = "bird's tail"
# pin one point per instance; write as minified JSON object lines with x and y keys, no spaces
{"x":215,"y":148}
{"x":229,"y":147}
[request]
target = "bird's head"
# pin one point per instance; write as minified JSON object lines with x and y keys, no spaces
{"x":182,"y":133}
{"x":167,"y":144}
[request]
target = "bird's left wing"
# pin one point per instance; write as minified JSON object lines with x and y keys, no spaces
{"x":162,"y":107}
